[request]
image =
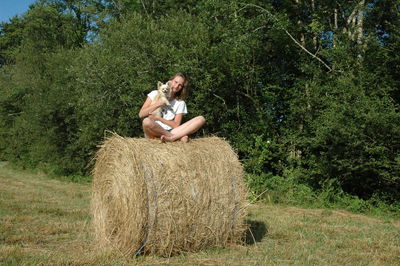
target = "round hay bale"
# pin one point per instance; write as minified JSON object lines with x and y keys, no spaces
{"x":165,"y":198}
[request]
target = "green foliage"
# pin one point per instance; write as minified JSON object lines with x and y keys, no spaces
{"x":311,"y":107}
{"x":357,"y":141}
{"x":282,"y":190}
{"x":133,"y":55}
{"x":343,"y":133}
{"x":38,"y":114}
{"x":10,"y":37}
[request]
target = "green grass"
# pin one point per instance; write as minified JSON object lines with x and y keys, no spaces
{"x":46,"y":222}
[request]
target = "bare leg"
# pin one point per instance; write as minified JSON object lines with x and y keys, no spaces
{"x":153,"y":130}
{"x":184,"y":130}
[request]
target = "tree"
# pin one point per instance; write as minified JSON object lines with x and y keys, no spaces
{"x":300,"y":88}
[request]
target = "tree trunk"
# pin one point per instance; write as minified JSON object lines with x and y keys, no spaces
{"x":355,"y":27}
{"x":360,"y":30}
{"x":315,"y":39}
{"x":300,"y":22}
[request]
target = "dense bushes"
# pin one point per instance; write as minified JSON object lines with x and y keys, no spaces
{"x":298,"y":127}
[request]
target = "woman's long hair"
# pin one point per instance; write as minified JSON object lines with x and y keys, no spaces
{"x":183,"y":93}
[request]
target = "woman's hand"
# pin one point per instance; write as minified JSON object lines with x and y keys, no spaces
{"x":154,"y":117}
{"x":149,"y":107}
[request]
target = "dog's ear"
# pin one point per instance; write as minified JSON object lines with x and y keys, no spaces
{"x":169,"y":84}
{"x":159,"y":84}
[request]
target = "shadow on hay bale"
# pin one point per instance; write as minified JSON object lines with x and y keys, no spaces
{"x":163,"y":199}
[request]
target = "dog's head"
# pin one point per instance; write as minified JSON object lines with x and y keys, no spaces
{"x":164,"y":88}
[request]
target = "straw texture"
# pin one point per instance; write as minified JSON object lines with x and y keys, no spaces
{"x":165,"y":198}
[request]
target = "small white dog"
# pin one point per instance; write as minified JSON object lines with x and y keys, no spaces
{"x":164,"y":92}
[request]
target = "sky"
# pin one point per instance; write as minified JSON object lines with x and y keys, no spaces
{"x":10,"y":8}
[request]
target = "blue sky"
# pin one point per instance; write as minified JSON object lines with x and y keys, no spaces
{"x":10,"y":8}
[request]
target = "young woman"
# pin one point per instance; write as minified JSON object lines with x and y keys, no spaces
{"x":168,"y":126}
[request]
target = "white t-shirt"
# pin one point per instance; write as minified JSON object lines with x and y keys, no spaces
{"x":168,"y":113}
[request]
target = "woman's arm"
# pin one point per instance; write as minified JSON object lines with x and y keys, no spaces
{"x":148,"y":108}
{"x":172,"y":123}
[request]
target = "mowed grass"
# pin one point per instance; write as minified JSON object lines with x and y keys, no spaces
{"x":47,"y":222}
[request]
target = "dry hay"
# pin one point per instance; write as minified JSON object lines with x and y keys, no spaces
{"x":165,"y":198}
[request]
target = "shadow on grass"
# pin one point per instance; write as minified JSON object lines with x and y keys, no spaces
{"x":255,"y":232}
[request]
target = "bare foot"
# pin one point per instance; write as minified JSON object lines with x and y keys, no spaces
{"x":185,"y":139}
{"x":164,"y":138}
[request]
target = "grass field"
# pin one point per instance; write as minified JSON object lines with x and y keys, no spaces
{"x":47,"y":222}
